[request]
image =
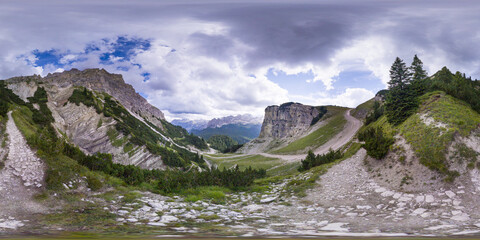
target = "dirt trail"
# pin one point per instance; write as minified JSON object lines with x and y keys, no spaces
{"x":342,"y":138}
{"x":20,"y":179}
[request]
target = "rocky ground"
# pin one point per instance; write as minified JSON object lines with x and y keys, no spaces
{"x":346,"y":202}
{"x":20,"y":180}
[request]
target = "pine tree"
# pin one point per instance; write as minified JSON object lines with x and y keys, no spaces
{"x":399,"y":75}
{"x":419,"y":76}
{"x":401,"y":100}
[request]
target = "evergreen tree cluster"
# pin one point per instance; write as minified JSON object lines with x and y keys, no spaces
{"x":312,"y":161}
{"x":174,"y":181}
{"x":221,"y":142}
{"x":405,"y":86}
{"x":378,"y":111}
{"x":377,"y":143}
{"x":233,"y":149}
{"x":458,"y":86}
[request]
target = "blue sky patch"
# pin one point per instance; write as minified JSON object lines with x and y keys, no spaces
{"x":146,"y":76}
{"x":124,"y":49}
{"x":48,"y":57}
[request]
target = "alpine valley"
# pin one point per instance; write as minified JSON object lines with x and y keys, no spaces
{"x":82,"y":151}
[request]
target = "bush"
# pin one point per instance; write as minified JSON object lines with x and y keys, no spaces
{"x":312,"y":161}
{"x":376,"y":114}
{"x":94,"y":183}
{"x":377,"y":143}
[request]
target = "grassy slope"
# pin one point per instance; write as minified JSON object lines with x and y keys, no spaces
{"x":363,"y":109}
{"x":320,"y":136}
{"x":255,"y":161}
{"x":431,"y":143}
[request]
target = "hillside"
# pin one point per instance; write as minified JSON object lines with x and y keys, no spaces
{"x":130,"y":129}
{"x":238,"y":132}
{"x":442,"y":136}
{"x":296,"y":128}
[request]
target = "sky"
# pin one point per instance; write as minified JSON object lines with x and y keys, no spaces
{"x":210,"y":58}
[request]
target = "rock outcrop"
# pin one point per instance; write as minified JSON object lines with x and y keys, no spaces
{"x":287,"y":120}
{"x":83,"y":126}
{"x":113,"y":84}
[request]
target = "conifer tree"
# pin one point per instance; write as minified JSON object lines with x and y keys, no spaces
{"x":399,"y":75}
{"x":419,"y":76}
{"x":401,"y":99}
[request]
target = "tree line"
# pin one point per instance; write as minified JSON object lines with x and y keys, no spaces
{"x":313,"y":160}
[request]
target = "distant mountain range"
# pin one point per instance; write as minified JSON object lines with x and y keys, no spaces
{"x":241,"y":128}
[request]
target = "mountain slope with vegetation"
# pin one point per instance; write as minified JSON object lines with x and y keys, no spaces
{"x":238,"y":132}
{"x":433,"y":116}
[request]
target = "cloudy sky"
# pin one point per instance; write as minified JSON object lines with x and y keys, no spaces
{"x":205,"y":59}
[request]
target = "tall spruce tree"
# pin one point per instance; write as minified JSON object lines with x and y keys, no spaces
{"x":401,"y":101}
{"x":399,"y":75}
{"x":419,"y":76}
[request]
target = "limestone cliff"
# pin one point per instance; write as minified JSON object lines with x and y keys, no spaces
{"x":113,"y":84}
{"x":287,"y":120}
{"x":284,"y":124}
{"x":84,"y":126}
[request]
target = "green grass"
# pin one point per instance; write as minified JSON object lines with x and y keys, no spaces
{"x":243,"y":162}
{"x":431,"y":143}
{"x":363,"y":109}
{"x":319,"y":137}
{"x":212,"y":194}
{"x":284,"y":169}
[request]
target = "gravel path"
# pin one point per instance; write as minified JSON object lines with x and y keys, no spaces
{"x":348,"y":200}
{"x":342,"y":138}
{"x":20,"y":179}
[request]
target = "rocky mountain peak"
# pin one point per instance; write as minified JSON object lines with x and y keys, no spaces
{"x":242,"y":119}
{"x":287,"y":120}
{"x":113,"y":84}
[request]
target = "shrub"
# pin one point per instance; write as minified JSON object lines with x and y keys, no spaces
{"x":377,"y":143}
{"x":94,"y":183}
{"x":312,"y":161}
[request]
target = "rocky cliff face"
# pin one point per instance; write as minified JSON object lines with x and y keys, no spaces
{"x":83,"y":125}
{"x":287,"y":120}
{"x":93,"y":79}
{"x":113,"y":84}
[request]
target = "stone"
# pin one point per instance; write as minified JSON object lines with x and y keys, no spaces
{"x":420,"y":199}
{"x":168,"y":218}
{"x":336,"y":227}
{"x":387,"y":194}
{"x":450,"y":194}
{"x":429,"y":198}
{"x":461,"y":217}
{"x":419,"y":211}
{"x":397,"y":195}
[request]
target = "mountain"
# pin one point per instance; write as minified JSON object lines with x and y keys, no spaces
{"x":286,"y":123}
{"x":241,"y":119}
{"x":238,"y":132}
{"x":190,"y":124}
{"x":242,"y":128}
{"x":99,"y":113}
